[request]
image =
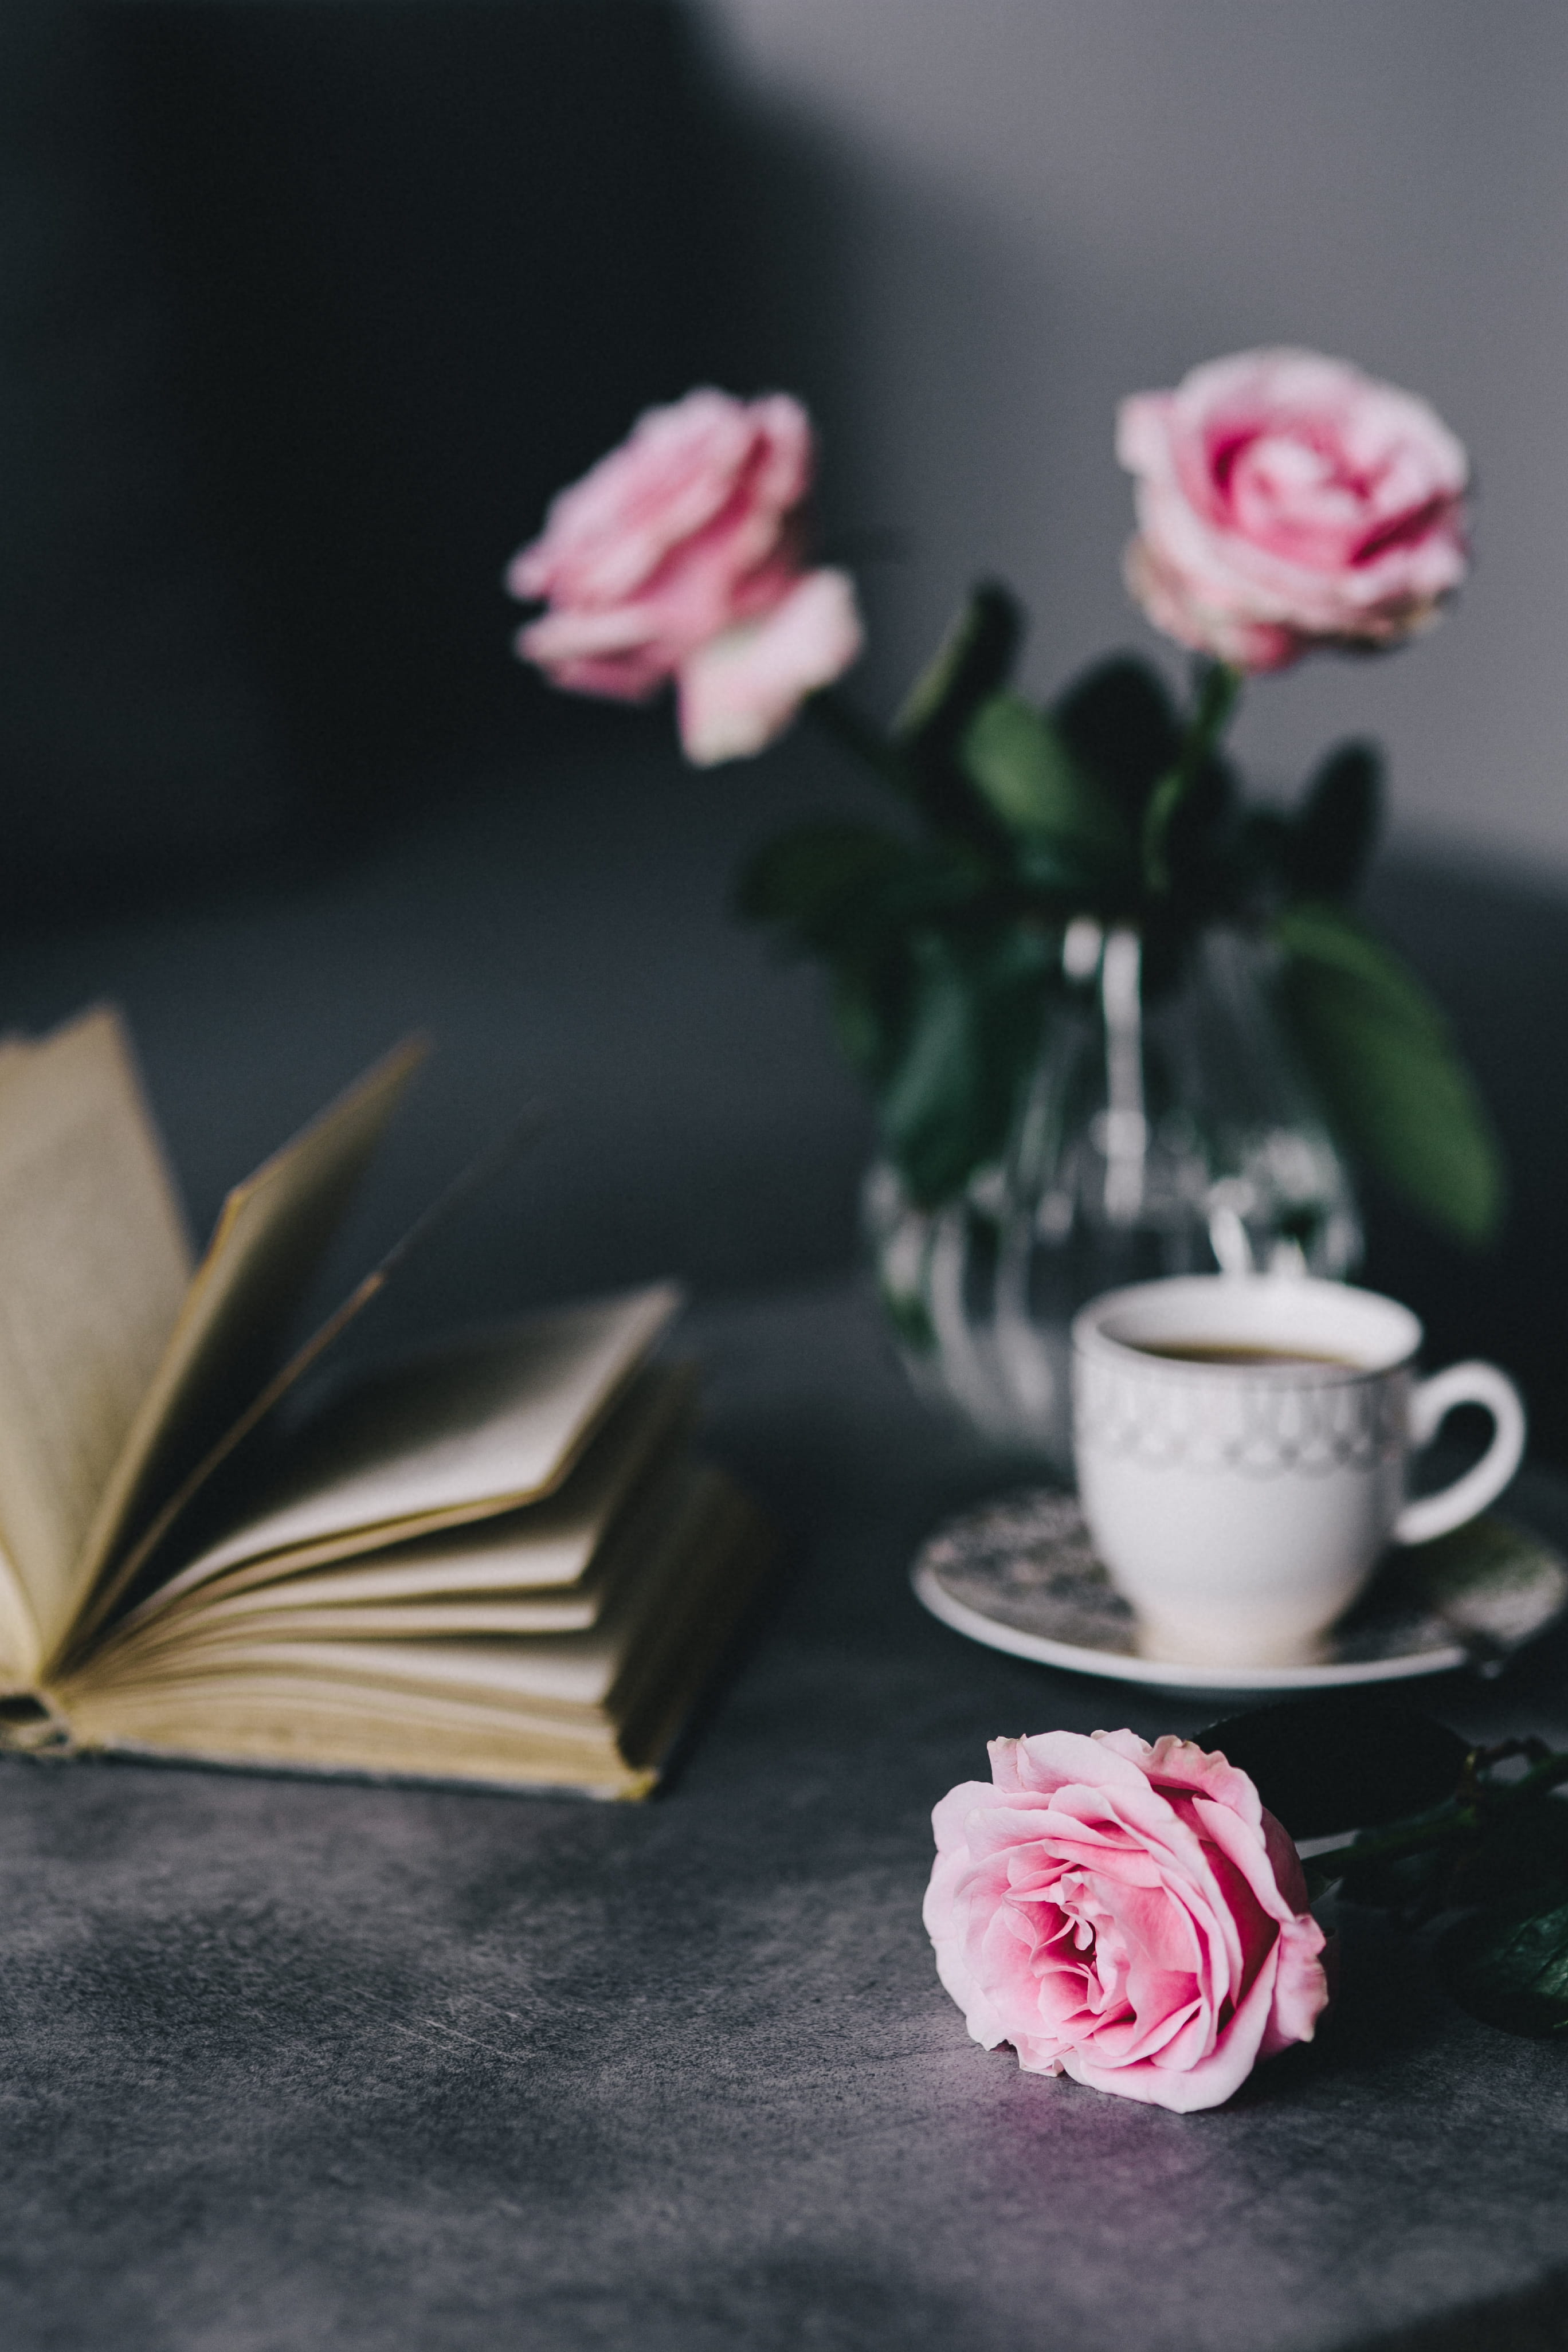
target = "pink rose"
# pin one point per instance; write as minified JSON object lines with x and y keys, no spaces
{"x":1126,"y":1915}
{"x":1286,"y":500}
{"x":679,"y":557}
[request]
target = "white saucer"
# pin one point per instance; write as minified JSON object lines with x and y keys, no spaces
{"x":1018,"y":1573}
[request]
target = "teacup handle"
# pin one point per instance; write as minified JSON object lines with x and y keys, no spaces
{"x":1433,"y":1401}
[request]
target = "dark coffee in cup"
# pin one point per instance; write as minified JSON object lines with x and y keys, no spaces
{"x":1221,"y":1352}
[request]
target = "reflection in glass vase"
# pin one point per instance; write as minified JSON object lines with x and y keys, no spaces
{"x":1166,"y":1130}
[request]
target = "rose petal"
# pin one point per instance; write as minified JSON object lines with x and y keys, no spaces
{"x":1187,"y":2089}
{"x":741,"y":690}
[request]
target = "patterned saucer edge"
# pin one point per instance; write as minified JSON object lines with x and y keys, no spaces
{"x":1018,"y":1573}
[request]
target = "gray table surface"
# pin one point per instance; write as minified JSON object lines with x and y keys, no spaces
{"x":300,"y":2063}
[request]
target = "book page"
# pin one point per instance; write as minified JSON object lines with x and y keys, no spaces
{"x":546,"y":1546}
{"x":289,"y":1721}
{"x":487,"y":1587}
{"x":270,"y":1237}
{"x":94,"y":1263}
{"x":477,"y":1426}
{"x":570,"y":1671}
{"x":21,"y":1649}
{"x":596,"y":1713}
{"x":21,"y":1646}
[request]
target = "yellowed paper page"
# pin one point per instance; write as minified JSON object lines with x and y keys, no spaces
{"x":21,"y":1646}
{"x":569,"y":1672}
{"x":208,"y":1631}
{"x":271,"y":1235}
{"x":276,"y":1721}
{"x":477,"y":1426}
{"x":549,"y":1546}
{"x":490,"y":1592}
{"x":326,"y":1706}
{"x":94,"y":1262}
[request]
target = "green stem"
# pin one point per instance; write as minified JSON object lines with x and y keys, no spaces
{"x":1218,"y":686}
{"x":1459,"y":1818}
{"x":1219,"y":689}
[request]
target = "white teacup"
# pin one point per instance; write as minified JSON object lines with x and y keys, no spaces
{"x":1242,"y":1443}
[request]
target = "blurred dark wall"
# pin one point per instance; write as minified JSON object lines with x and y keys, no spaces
{"x":305,"y":310}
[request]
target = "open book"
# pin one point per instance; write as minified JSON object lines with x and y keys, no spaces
{"x":494,"y":1560}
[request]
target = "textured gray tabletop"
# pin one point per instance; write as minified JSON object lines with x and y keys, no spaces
{"x":292,"y":2063}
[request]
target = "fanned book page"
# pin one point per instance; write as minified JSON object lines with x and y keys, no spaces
{"x":94,"y":1266}
{"x":272,"y":1236}
{"x":458,"y":1432}
{"x":550,"y":1564}
{"x":594,"y":1712}
{"x":212,"y":1381}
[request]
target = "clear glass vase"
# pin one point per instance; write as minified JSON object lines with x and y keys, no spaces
{"x":1167,"y":1130}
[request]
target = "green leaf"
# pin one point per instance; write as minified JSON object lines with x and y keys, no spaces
{"x":843,"y":891}
{"x":1389,"y":1072}
{"x":1188,"y":846}
{"x":1519,"y":1858}
{"x":935,"y":1000}
{"x":973,"y":661}
{"x":1341,"y":1762}
{"x":1510,"y":1968}
{"x":1118,"y":723}
{"x":1067,"y":826}
{"x":967,"y":1041}
{"x":1265,"y":841}
{"x":1411,"y":1883}
{"x":1337,"y":823}
{"x":866,"y":1003}
{"x":811,"y":877}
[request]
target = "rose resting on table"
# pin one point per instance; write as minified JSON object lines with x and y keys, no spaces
{"x":1125,"y":1914}
{"x":1137,"y":1918}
